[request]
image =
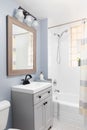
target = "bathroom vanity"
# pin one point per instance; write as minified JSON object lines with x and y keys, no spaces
{"x":32,"y":106}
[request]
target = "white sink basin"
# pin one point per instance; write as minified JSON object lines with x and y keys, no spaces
{"x":33,"y":87}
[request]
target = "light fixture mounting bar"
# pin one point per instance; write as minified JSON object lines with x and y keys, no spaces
{"x":27,"y":13}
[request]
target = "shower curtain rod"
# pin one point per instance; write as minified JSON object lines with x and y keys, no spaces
{"x":68,"y":23}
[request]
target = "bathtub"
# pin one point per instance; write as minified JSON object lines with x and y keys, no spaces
{"x":66,"y":99}
{"x":66,"y":108}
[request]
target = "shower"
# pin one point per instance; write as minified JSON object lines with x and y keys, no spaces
{"x":58,"y":58}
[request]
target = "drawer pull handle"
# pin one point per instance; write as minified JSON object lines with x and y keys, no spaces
{"x":45,"y":103}
{"x":48,"y":91}
{"x":39,"y":96}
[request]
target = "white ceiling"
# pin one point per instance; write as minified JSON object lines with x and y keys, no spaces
{"x":57,"y":11}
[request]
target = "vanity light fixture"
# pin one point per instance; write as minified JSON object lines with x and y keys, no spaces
{"x":24,"y":16}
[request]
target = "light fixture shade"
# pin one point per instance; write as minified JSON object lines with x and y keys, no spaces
{"x":19,"y":15}
{"x":28,"y":20}
{"x":24,"y":16}
{"x":35,"y":23}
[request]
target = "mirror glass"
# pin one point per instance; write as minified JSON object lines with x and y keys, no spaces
{"x":21,"y":48}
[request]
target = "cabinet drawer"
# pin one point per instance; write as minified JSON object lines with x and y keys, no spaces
{"x":42,"y":95}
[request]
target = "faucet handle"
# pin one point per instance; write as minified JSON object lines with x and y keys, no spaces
{"x":25,"y":81}
{"x":56,"y":90}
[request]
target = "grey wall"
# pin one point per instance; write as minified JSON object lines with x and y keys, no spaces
{"x":44,"y":47}
{"x":6,"y":8}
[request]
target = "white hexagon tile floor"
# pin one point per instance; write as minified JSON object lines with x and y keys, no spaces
{"x":58,"y":125}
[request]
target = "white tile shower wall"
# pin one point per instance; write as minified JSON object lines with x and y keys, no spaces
{"x":68,"y":78}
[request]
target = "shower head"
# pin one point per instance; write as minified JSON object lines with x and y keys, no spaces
{"x":60,"y":35}
{"x":55,"y":34}
{"x":63,"y":32}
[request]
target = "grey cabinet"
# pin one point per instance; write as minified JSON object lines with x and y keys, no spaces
{"x":32,"y":111}
{"x":39,"y":116}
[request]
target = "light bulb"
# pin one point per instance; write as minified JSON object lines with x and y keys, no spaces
{"x":19,"y":15}
{"x":35,"y":23}
{"x":28,"y":20}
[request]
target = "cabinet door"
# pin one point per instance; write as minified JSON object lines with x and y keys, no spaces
{"x":39,"y":116}
{"x":49,"y":112}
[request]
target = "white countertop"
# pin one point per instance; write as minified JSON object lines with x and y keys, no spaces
{"x":32,"y":88}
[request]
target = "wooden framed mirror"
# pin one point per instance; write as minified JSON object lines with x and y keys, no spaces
{"x":21,"y":48}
